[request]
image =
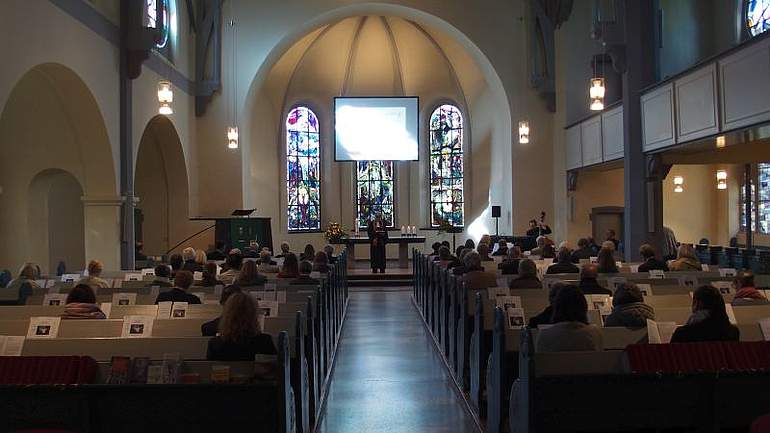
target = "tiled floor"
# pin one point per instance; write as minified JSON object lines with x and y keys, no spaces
{"x":388,"y":377}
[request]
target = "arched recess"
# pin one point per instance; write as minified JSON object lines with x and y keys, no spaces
{"x":162,"y":187}
{"x":51,"y":125}
{"x":56,"y":220}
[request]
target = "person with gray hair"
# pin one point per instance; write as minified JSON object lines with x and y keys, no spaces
{"x":20,"y":288}
{"x":527,"y":278}
{"x":541,"y":241}
{"x":475,"y":277}
{"x":188,"y":255}
{"x":285,"y":249}
{"x":266,"y":264}
{"x":305,"y":269}
{"x":628,"y":308}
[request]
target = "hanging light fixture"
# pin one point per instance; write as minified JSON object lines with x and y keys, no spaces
{"x":165,"y":97}
{"x":523,"y":132}
{"x":721,"y":179}
{"x":678,"y":184}
{"x":721,"y":142}
{"x":232,"y":130}
{"x":596,"y":92}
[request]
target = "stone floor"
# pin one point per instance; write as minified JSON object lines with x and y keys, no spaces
{"x":388,"y":377}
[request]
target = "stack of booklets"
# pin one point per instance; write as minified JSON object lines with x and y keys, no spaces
{"x":124,"y":370}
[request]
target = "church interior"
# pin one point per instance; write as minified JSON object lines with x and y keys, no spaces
{"x":385,"y":216}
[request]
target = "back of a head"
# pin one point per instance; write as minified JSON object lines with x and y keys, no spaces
{"x":514,"y":252}
{"x":627,"y":293}
{"x":210,"y":268}
{"x":82,"y":293}
{"x":234,"y":261}
{"x":29,"y":271}
{"x":483,"y":249}
{"x":228,"y":291}
{"x":582,"y":243}
{"x":239,"y":318}
{"x":285,"y":247}
{"x":564,"y":256}
{"x":589,"y":270}
{"x":200,"y":257}
{"x":248,"y":270}
{"x":183,"y":279}
{"x":264,"y":257}
{"x":291,"y":264}
{"x":462,"y":253}
{"x":708,"y":298}
{"x":320,"y":258}
{"x":611,"y":234}
{"x":188,"y":253}
{"x":472,"y":260}
{"x":329,"y":250}
{"x":540,"y":241}
{"x":436,"y":247}
{"x":95,"y":268}
{"x":469,"y":243}
{"x":162,"y":271}
{"x":443,"y":253}
{"x":176,"y":261}
{"x":606,"y":260}
{"x":305,"y":267}
{"x":646,"y":251}
{"x":744,"y":279}
{"x":527,"y":268}
{"x":309,"y":250}
{"x":570,"y":305}
{"x":502,"y":243}
{"x":459,"y":251}
{"x":549,"y":252}
{"x":685,"y":251}
{"x":608,"y":245}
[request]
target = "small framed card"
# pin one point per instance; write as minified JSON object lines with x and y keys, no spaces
{"x":70,"y":278}
{"x":54,"y":299}
{"x":43,"y":327}
{"x":132,"y":277}
{"x":724,"y":287}
{"x":179,"y":310}
{"x":727,"y":272}
{"x":123,"y":298}
{"x":164,"y":309}
{"x":646,"y":289}
{"x":148,"y":271}
{"x":615,"y":282}
{"x":657,"y":274}
{"x":689,"y":281}
{"x":704,"y":267}
{"x":506,"y":302}
{"x":197,"y":275}
{"x":268,"y":308}
{"x":137,"y":326}
{"x":634,"y":268}
{"x":515,"y":318}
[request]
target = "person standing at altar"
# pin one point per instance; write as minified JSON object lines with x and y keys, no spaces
{"x":378,"y":237}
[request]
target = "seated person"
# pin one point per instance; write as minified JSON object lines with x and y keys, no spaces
{"x":470,"y":244}
{"x":234,"y":262}
{"x":485,"y":239}
{"x":650,"y":262}
{"x":176,"y":262}
{"x":527,"y":278}
{"x":305,"y":269}
{"x":502,"y":248}
{"x":188,"y":255}
{"x":210,"y":276}
{"x":19,"y":289}
{"x":329,"y":251}
{"x":460,"y":253}
{"x":483,"y":251}
{"x":606,"y":262}
{"x":746,"y":293}
{"x":81,"y":304}
{"x":583,"y":252}
{"x":308,"y":254}
{"x":545,"y":317}
{"x":549,"y":252}
{"x":611,"y":237}
{"x":162,"y":276}
{"x":563,"y":263}
{"x":217,"y":252}
{"x":709,"y":321}
{"x":210,"y":328}
{"x":290,"y":267}
{"x":266,"y":263}
{"x":570,"y":330}
{"x":435,"y":247}
{"x":94,"y":280}
{"x":321,"y":263}
{"x":475,"y":277}
{"x":182,"y":282}
{"x":541,"y":243}
{"x":5,"y":278}
{"x":285,"y":249}
{"x":249,"y":276}
{"x":685,"y":259}
{"x":628,"y":308}
{"x":445,"y":257}
{"x":510,"y":265}
{"x":240,"y":337}
{"x":589,"y":284}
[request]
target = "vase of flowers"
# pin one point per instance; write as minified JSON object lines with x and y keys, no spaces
{"x":335,"y":233}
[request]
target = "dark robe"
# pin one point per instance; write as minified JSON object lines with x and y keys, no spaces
{"x":378,"y":237}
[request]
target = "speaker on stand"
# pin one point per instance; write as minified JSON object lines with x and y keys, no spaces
{"x":496,"y":216}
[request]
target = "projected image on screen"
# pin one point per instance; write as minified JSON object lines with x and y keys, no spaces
{"x":376,"y":129}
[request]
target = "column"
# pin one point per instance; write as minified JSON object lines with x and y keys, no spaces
{"x":101,"y":215}
{"x":639,"y":72}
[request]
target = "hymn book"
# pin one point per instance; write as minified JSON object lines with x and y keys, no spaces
{"x":660,"y":332}
{"x":119,"y":370}
{"x":106,"y":308}
{"x":43,"y":327}
{"x":132,"y":277}
{"x":11,"y":345}
{"x":54,"y":299}
{"x":727,"y":272}
{"x":70,"y":278}
{"x":179,"y":310}
{"x":123,"y":298}
{"x":506,"y":302}
{"x":164,"y":309}
{"x":137,"y":326}
{"x":515,"y":317}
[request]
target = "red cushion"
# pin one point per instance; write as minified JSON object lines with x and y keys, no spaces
{"x":698,"y":357}
{"x":39,"y":370}
{"x":761,"y":424}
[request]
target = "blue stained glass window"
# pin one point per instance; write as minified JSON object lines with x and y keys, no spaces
{"x":151,"y":19}
{"x":374,"y":192}
{"x":446,"y":166}
{"x":303,"y":161}
{"x":757,"y":16}
{"x":763,"y":199}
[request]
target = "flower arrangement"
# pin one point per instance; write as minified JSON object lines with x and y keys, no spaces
{"x":335,"y":232}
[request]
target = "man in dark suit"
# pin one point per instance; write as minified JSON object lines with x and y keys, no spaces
{"x":650,"y":262}
{"x":378,"y":237}
{"x":182,"y":281}
{"x":588,"y":283}
{"x":583,"y":252}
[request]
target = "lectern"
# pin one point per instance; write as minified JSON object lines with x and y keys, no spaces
{"x":239,"y":230}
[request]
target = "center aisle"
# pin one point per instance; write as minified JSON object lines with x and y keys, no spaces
{"x":388,"y":377}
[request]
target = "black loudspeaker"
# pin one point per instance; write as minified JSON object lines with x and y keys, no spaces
{"x":495,"y":211}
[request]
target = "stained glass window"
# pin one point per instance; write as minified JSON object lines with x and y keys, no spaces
{"x":374,"y":191}
{"x":303,"y":161}
{"x":151,"y":19}
{"x":757,"y":16}
{"x":763,"y":199}
{"x":446,"y":166}
{"x":742,"y":207}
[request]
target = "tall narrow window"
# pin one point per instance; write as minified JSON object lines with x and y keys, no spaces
{"x":763,"y":199}
{"x":742,"y":207}
{"x":303,"y":163}
{"x":374,"y":191}
{"x":151,"y":19}
{"x":757,"y":16}
{"x":446,"y":166}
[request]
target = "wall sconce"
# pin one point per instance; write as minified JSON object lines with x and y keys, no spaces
{"x":523,"y":132}
{"x":721,"y":142}
{"x":721,"y":179}
{"x":232,"y":137}
{"x":165,"y":97}
{"x":678,"y":184}
{"x":596,"y":91}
